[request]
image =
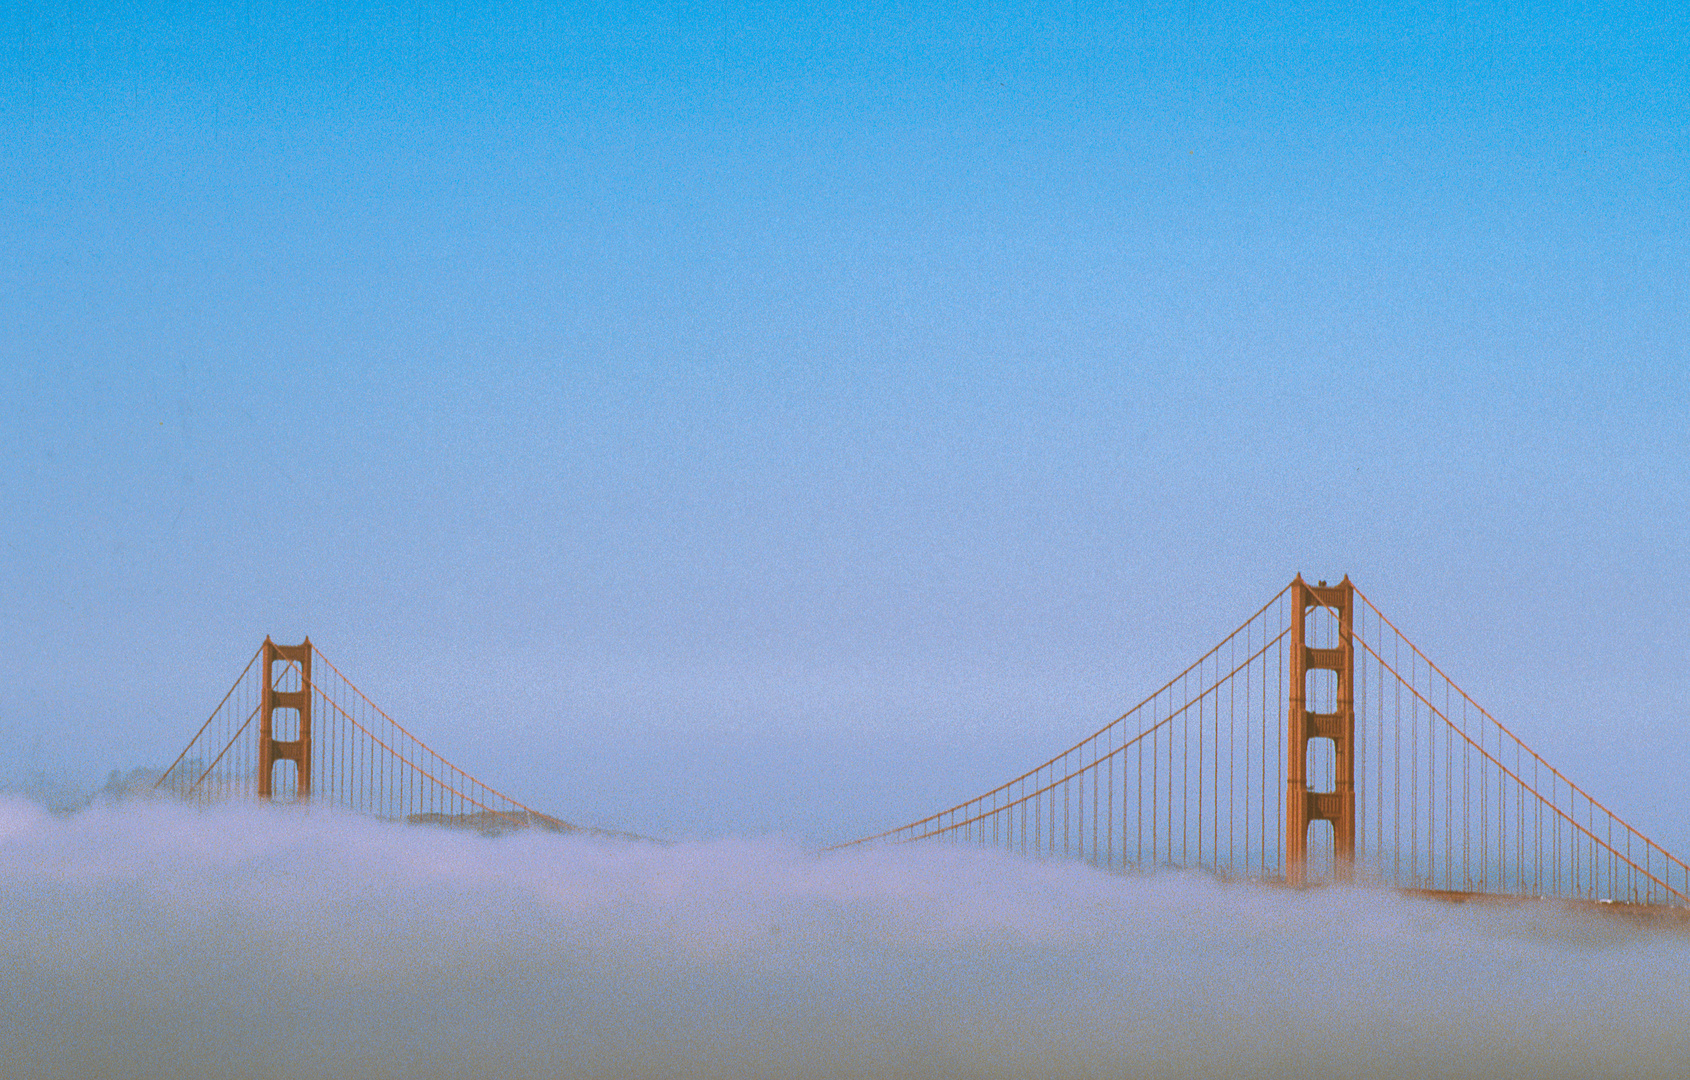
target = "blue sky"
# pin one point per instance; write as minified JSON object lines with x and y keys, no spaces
{"x":706,"y":419}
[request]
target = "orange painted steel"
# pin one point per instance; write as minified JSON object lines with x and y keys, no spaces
{"x":271,"y":750}
{"x":292,"y":704}
{"x":1314,"y":743}
{"x":1317,"y":743}
{"x":1652,"y":853}
{"x":1305,"y":803}
{"x":1188,"y":776}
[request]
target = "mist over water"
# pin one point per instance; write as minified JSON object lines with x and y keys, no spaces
{"x":146,"y":939}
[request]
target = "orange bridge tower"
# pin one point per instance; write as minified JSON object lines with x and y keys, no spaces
{"x":297,"y":749}
{"x":1334,"y":801}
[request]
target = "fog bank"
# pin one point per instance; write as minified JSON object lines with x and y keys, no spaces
{"x":141,"y":939}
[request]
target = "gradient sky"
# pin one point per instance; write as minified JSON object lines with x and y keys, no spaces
{"x":698,"y":419}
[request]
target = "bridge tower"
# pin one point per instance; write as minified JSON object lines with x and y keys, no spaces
{"x":271,"y":749}
{"x":1303,"y":804}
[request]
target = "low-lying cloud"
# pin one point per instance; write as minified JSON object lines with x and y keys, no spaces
{"x":146,"y":939}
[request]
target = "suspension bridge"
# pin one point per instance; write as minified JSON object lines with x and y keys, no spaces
{"x":1313,"y":743}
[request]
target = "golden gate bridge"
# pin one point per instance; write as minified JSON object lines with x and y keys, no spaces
{"x":1313,"y":743}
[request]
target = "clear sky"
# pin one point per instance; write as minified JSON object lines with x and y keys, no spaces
{"x":698,"y":419}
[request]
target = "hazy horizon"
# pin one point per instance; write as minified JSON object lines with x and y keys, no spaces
{"x":857,"y":407}
{"x":760,"y":426}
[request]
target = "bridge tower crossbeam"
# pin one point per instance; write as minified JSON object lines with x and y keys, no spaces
{"x":272,"y":750}
{"x":1305,"y":804}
